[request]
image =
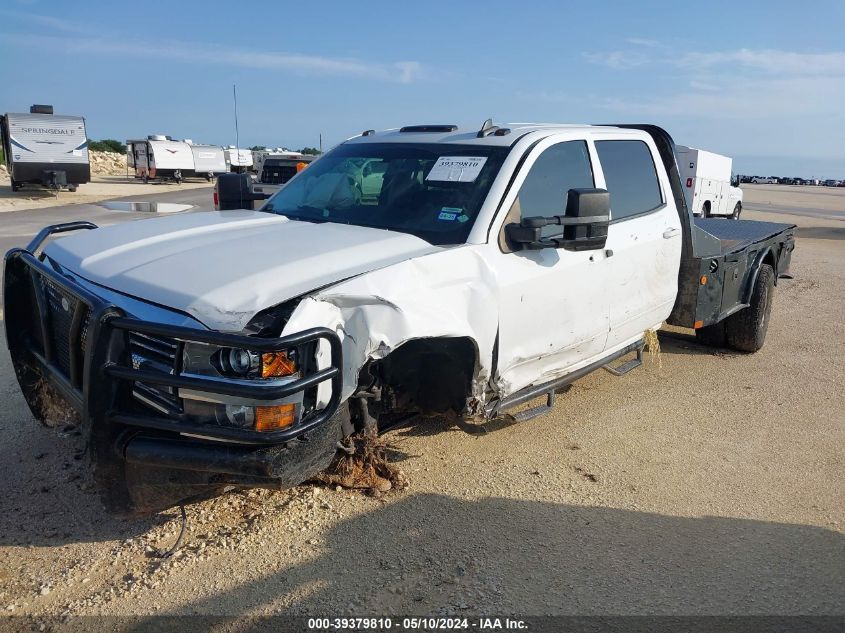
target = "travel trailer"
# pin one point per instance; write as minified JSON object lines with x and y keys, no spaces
{"x":209,"y":160}
{"x":239,"y":160}
{"x":45,"y":149}
{"x":707,"y":183}
{"x":160,"y":157}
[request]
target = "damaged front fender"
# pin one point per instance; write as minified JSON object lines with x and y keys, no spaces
{"x":449,"y":294}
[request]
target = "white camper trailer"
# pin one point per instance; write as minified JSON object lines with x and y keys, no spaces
{"x":160,"y":157}
{"x":45,"y":149}
{"x":707,"y":183}
{"x":239,"y":160}
{"x":209,"y":160}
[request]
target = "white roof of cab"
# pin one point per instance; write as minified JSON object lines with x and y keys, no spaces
{"x":466,"y":136}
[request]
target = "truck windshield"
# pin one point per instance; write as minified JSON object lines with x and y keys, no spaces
{"x":433,"y":191}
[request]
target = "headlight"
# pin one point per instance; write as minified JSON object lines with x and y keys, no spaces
{"x":210,"y":360}
{"x":231,"y":362}
{"x":240,"y":363}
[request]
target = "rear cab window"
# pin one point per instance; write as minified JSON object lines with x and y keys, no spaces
{"x":630,"y":177}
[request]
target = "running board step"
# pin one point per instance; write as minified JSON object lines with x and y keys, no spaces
{"x":624,"y":368}
{"x":533,"y":412}
{"x":495,"y":408}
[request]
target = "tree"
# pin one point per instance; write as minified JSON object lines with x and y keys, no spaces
{"x":312,"y":151}
{"x":257,"y":148}
{"x":107,"y":145}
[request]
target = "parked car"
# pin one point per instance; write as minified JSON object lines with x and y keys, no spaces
{"x":492,"y":267}
{"x":757,"y":180}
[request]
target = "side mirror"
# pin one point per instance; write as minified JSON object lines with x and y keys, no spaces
{"x":234,"y":191}
{"x":584,"y":224}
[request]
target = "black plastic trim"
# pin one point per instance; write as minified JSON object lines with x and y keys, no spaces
{"x":102,"y":371}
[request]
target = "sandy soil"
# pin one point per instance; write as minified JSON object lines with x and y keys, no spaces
{"x":712,"y":485}
{"x":99,"y":189}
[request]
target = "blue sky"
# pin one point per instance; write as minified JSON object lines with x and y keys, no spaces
{"x":763,"y":82}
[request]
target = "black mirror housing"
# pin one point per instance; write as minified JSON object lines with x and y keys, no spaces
{"x":584,"y":224}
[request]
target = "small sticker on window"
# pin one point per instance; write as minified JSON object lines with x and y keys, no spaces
{"x":456,"y":168}
{"x":451,"y":214}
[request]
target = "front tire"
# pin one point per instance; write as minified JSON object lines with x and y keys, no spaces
{"x":737,"y":211}
{"x":746,"y":330}
{"x":16,"y":186}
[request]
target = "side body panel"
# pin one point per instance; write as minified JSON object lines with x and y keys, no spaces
{"x":641,"y":274}
{"x":170,"y":155}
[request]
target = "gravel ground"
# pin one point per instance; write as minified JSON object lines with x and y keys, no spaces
{"x":712,"y":485}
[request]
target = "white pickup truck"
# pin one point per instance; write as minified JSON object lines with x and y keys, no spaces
{"x":492,"y":267}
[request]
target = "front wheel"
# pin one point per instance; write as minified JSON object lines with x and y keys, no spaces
{"x":746,"y":330}
{"x":15,"y":185}
{"x":737,"y":211}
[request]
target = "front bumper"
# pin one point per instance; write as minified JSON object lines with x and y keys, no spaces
{"x":58,"y":331}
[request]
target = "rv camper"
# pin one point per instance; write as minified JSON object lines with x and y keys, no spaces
{"x":239,"y":160}
{"x":209,"y":160}
{"x":160,"y":157}
{"x":45,"y":149}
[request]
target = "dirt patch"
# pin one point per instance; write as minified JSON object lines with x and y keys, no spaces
{"x":363,"y":465}
{"x":56,"y":411}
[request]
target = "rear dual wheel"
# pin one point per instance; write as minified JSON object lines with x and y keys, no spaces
{"x":745,"y":330}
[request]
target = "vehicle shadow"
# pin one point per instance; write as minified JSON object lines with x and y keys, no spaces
{"x":434,"y":554}
{"x":821,"y":232}
{"x":684,"y":344}
{"x":48,"y":493}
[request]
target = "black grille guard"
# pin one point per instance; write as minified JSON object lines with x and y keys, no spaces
{"x":94,"y":381}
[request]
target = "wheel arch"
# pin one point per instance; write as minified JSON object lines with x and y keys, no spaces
{"x":765,"y":256}
{"x":427,"y":374}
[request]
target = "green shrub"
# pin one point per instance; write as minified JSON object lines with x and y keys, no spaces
{"x":107,"y":145}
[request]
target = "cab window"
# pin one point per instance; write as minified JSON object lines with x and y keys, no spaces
{"x":630,"y":177}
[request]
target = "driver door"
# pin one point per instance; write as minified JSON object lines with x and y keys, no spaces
{"x":553,"y":307}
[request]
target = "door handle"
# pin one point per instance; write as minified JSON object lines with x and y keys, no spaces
{"x":670,"y":233}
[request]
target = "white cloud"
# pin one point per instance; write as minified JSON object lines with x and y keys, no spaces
{"x":195,"y":52}
{"x":641,"y":41}
{"x":618,"y":60}
{"x":769,"y":61}
{"x":49,"y":21}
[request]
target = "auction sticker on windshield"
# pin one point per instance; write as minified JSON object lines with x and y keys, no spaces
{"x":457,"y":168}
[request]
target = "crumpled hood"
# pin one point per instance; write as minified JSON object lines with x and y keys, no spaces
{"x":222,"y":267}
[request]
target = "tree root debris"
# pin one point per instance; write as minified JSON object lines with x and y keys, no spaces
{"x":362,"y":465}
{"x":55,"y":410}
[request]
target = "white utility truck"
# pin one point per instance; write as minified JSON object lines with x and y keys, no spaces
{"x":492,"y":267}
{"x":708,"y":185}
{"x":45,"y":149}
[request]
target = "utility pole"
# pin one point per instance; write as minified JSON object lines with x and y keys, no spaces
{"x":237,"y":136}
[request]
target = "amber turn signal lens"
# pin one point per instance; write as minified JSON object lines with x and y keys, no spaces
{"x":274,"y":418}
{"x":275,"y":364}
{"x":703,"y":280}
